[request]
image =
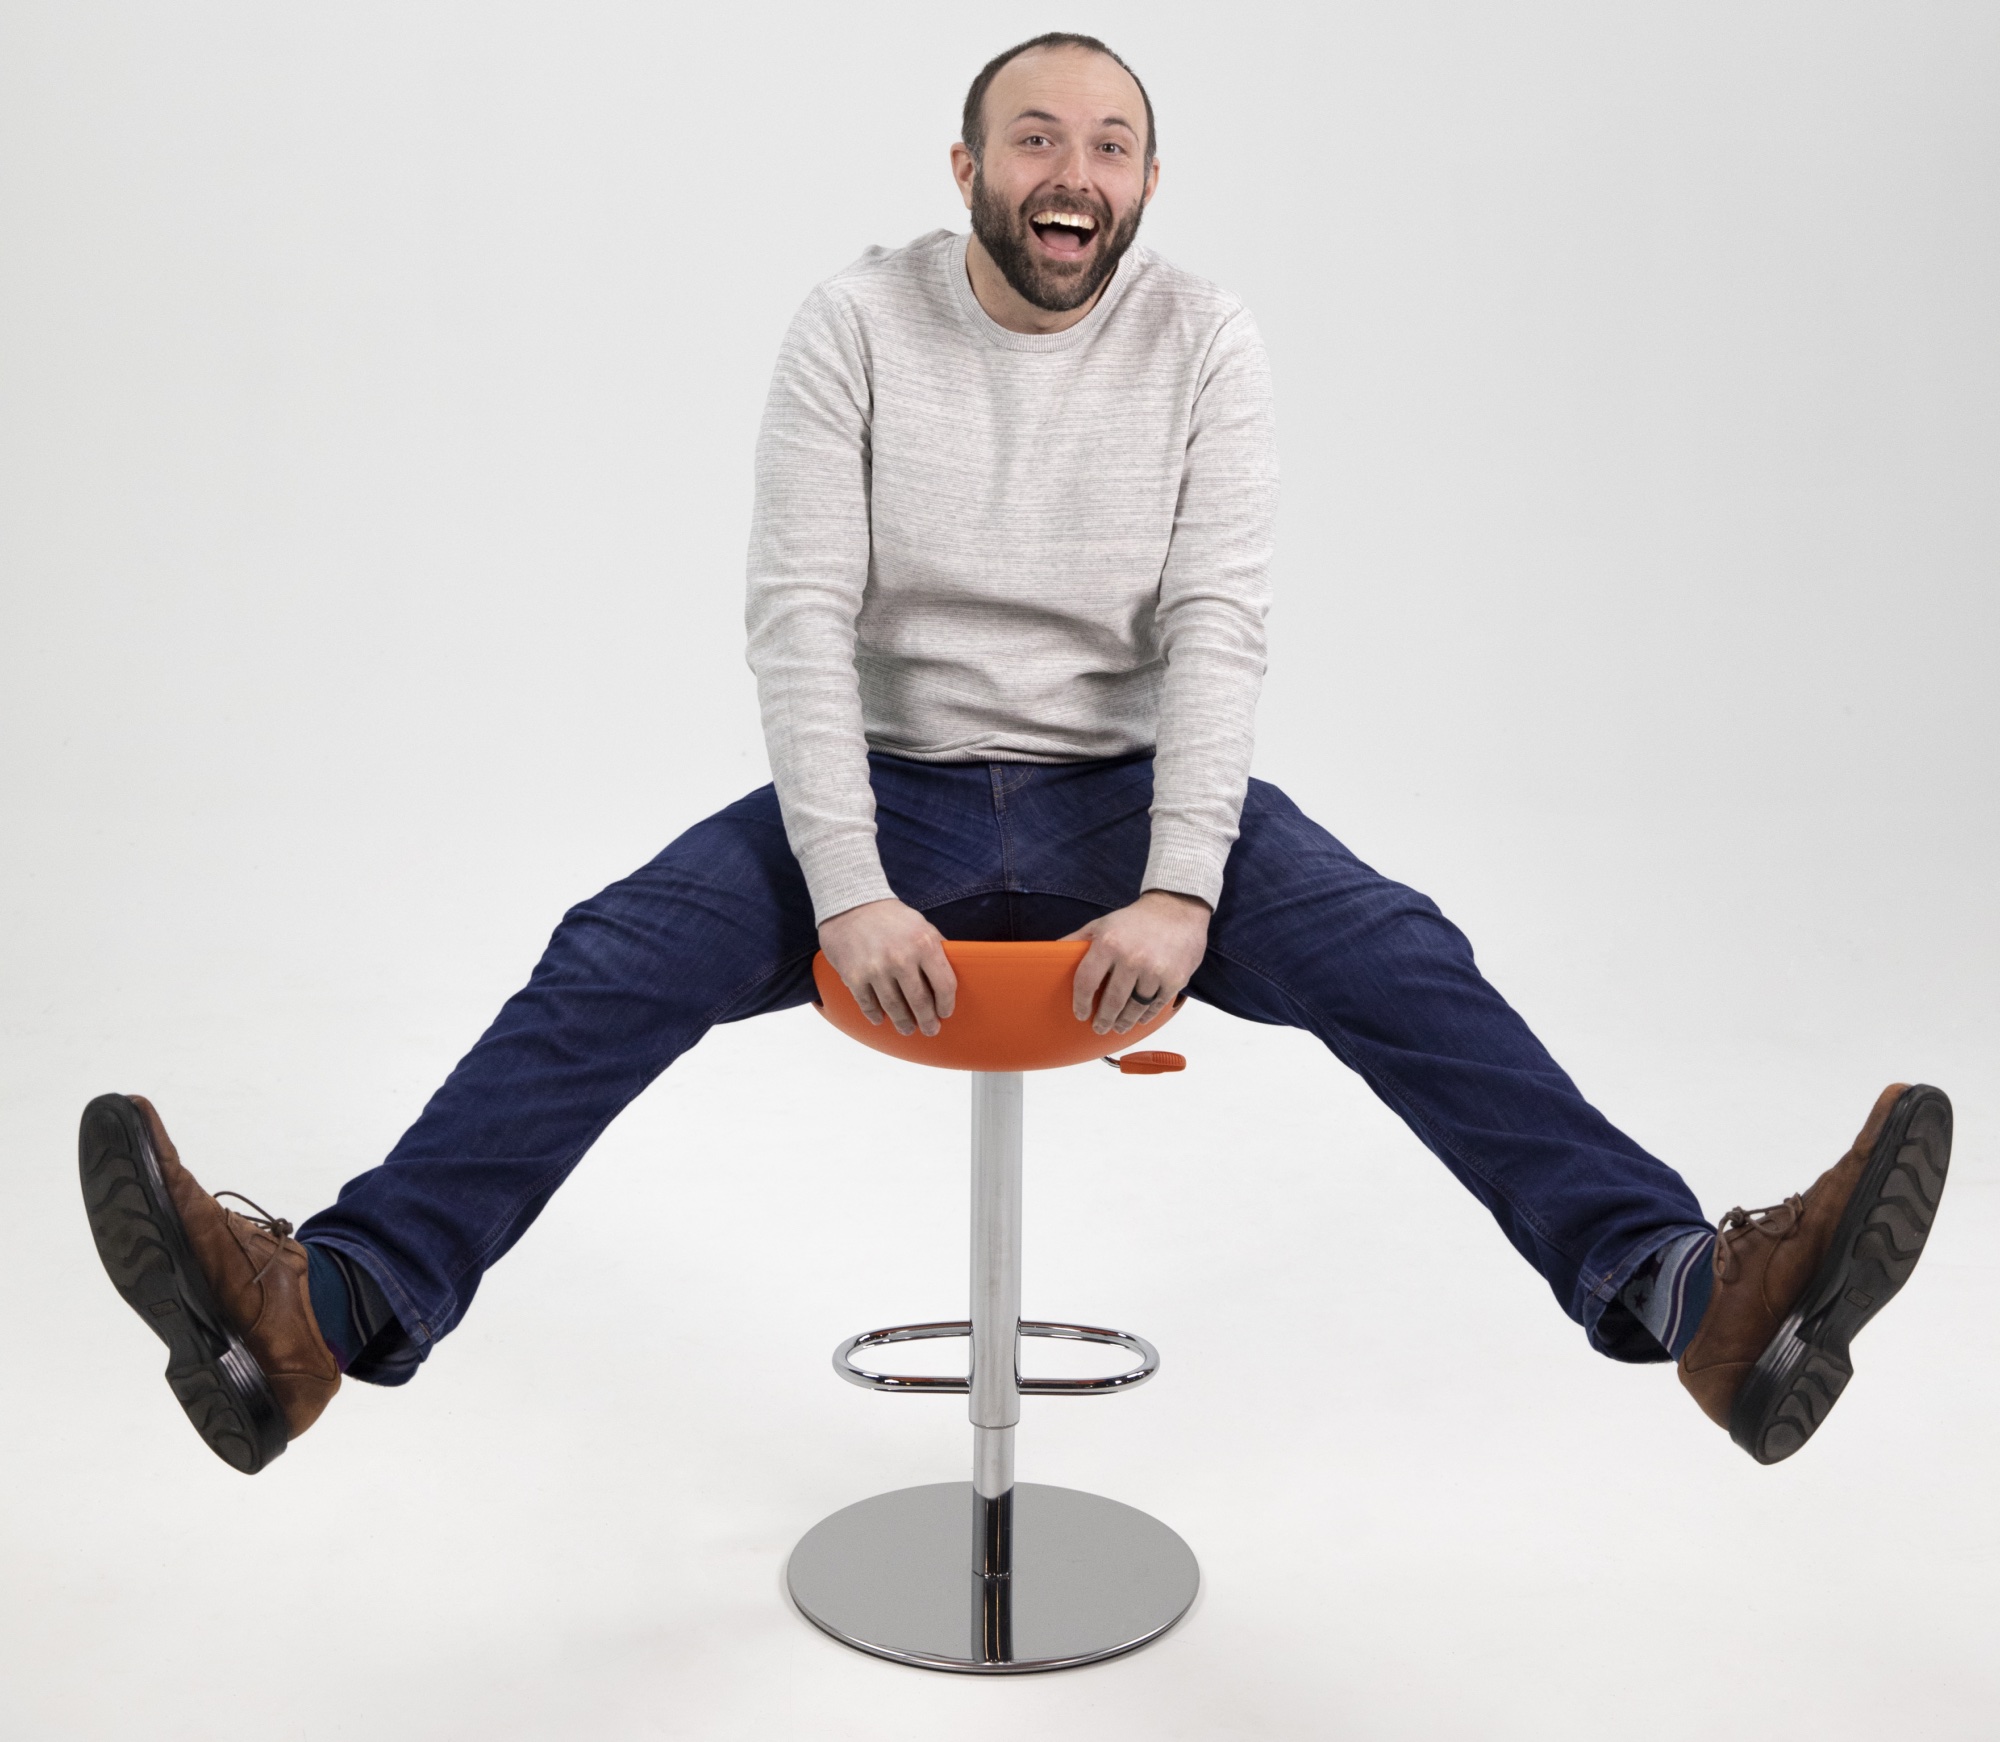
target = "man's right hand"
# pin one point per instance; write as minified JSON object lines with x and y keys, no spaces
{"x":892,"y":959}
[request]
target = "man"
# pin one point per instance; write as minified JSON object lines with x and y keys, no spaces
{"x":1006,"y":608}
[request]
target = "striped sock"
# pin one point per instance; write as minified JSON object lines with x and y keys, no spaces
{"x":1668,"y":1294}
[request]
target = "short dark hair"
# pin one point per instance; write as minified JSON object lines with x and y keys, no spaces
{"x":972,"y":125}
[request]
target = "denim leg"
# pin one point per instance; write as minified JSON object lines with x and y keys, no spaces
{"x":1307,"y":936}
{"x":718,"y":927}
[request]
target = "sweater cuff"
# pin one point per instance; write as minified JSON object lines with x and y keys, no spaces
{"x":1186,"y":864}
{"x":849,"y":876}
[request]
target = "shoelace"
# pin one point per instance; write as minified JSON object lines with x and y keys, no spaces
{"x":1775,"y":1223}
{"x":277,"y":1227}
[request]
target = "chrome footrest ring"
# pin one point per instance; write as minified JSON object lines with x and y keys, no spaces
{"x":1149,"y":1359}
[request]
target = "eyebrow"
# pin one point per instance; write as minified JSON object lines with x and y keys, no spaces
{"x":1044,"y":115}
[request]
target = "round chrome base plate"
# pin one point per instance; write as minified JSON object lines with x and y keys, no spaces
{"x":893,"y":1575}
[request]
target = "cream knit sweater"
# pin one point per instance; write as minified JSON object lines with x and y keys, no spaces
{"x":977,"y":545}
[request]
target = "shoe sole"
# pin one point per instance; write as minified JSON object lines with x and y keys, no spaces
{"x":1880,"y":1237}
{"x":146,"y":1254}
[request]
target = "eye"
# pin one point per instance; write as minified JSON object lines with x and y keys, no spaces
{"x":1035,"y":139}
{"x":1112,"y":145}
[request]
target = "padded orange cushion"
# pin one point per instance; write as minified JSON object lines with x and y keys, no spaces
{"x":1012,"y":1013}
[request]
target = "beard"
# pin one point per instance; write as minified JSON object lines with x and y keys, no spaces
{"x":1057,"y":286}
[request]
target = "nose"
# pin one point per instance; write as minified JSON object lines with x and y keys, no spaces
{"x":1073,"y":170}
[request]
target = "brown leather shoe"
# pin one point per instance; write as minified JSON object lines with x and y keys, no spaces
{"x":1794,"y":1283}
{"x":226,"y":1293}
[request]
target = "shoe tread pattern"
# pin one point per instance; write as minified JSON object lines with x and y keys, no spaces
{"x":213,"y":1377}
{"x":1875,"y":1249}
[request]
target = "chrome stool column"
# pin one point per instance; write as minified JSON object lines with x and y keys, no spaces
{"x":994,"y":1576}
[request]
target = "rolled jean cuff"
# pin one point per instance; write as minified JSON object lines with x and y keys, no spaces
{"x":1609,"y":1323}
{"x":393,"y":1356}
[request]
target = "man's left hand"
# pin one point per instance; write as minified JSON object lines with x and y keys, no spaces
{"x":1139,"y":960}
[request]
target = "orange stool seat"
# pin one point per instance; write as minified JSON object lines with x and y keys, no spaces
{"x":1013,"y":1012}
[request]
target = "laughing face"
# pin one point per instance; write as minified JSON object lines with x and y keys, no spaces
{"x":1060,"y":183}
{"x":1056,"y":249}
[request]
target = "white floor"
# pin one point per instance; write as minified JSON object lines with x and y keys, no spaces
{"x":1423,"y":1509}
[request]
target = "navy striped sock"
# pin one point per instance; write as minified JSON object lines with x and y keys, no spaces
{"x":1668,"y":1294}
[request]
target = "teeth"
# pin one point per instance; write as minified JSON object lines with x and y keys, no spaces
{"x":1069,"y":220}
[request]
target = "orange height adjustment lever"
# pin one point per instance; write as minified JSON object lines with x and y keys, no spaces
{"x":1147,"y":1064}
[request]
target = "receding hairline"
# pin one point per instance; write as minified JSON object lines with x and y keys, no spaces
{"x":973,"y":121}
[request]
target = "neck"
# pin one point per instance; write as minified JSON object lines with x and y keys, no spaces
{"x":1008,"y":307}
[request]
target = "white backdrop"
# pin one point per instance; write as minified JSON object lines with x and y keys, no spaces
{"x":377,"y":387}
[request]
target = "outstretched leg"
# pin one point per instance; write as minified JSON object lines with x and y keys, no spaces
{"x":717,"y":928}
{"x":1308,"y":936}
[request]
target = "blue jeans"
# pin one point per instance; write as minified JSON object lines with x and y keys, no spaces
{"x":719,"y":927}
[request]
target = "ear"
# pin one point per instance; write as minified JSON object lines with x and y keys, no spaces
{"x":964,"y":166}
{"x":1152,"y":183}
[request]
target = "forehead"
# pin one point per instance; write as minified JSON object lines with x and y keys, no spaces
{"x":1077,"y":85}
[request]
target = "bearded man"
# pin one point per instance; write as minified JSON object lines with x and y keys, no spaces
{"x":1007,"y":588}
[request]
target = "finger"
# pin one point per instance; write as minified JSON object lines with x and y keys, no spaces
{"x":1137,"y":1010}
{"x":870,"y":1005}
{"x":864,"y":995}
{"x":893,"y":1005}
{"x":1140,"y":1014}
{"x":916,"y":991}
{"x":1117,"y":991}
{"x":937,"y":970}
{"x":1097,"y":962}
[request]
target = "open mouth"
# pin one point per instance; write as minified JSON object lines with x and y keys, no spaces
{"x":1064,"y":235}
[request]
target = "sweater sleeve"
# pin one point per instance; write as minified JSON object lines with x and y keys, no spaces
{"x":1214,"y":593}
{"x":808,"y":569}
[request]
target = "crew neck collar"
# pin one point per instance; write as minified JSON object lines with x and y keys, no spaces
{"x":1007,"y":340}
